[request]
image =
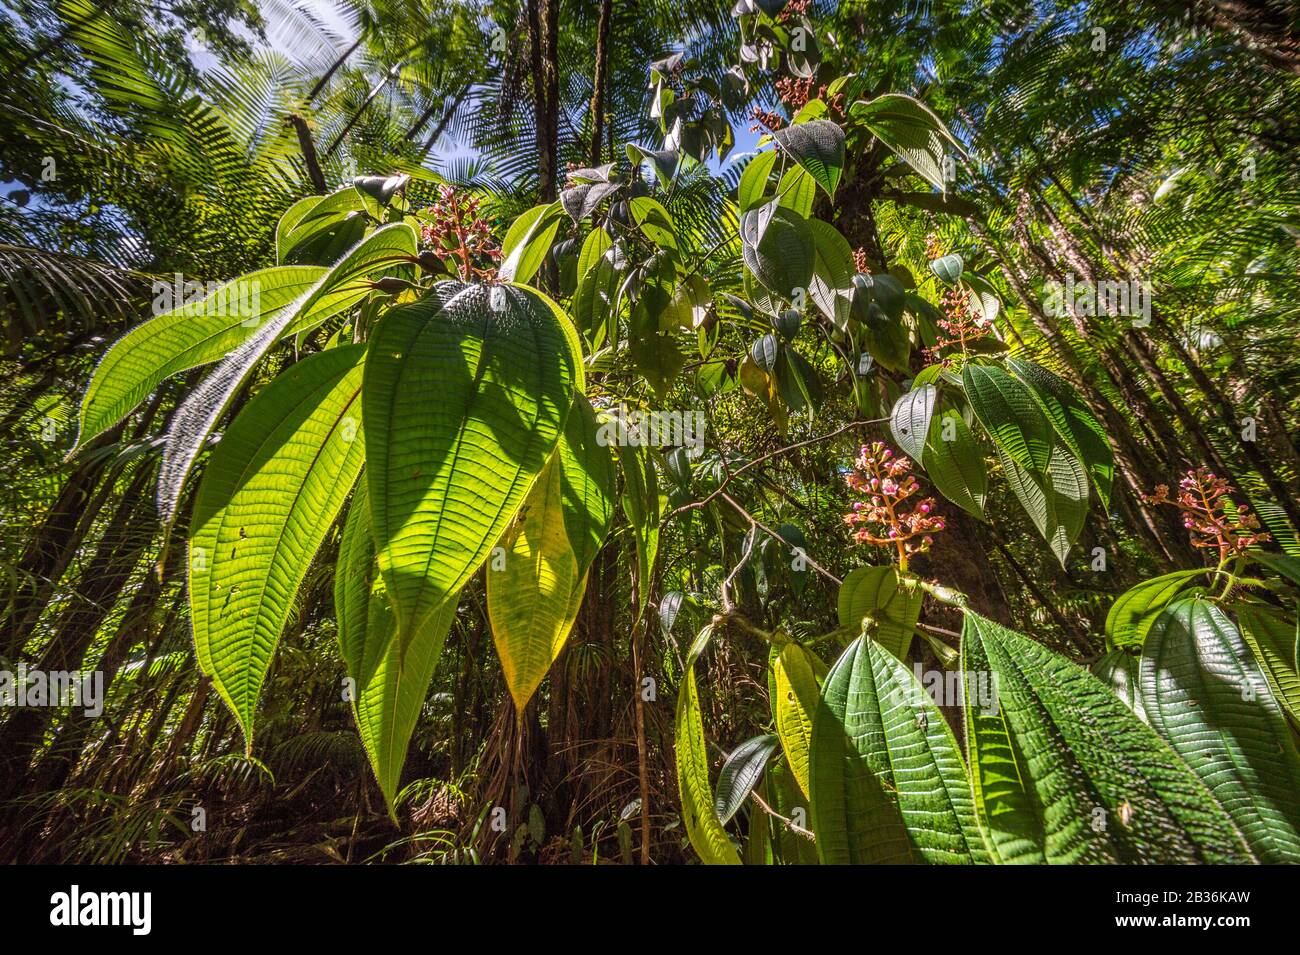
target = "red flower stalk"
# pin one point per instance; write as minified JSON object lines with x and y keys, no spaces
{"x":455,"y":230}
{"x":764,"y":120}
{"x":1207,"y":516}
{"x":961,"y":324}
{"x":794,"y":92}
{"x":884,"y":518}
{"x":860,"y":261}
{"x":791,"y":8}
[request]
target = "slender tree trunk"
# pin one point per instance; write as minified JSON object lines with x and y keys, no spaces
{"x":599,"y":81}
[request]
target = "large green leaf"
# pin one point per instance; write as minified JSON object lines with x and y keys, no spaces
{"x":465,"y":400}
{"x":1133,"y":612}
{"x":1063,"y":772}
{"x":528,"y":240}
{"x":319,"y":229}
{"x":876,"y":720}
{"x":953,"y":461}
{"x":1011,"y":415}
{"x":1074,"y":423}
{"x":533,"y":599}
{"x":1206,"y":696}
{"x":753,"y":181}
{"x":910,"y":130}
{"x":185,"y":337}
{"x":890,"y":605}
{"x":1272,"y":639}
{"x":1118,"y":669}
{"x":817,"y":146}
{"x":796,"y":691}
{"x":831,"y":287}
{"x":270,"y":493}
{"x":778,"y":248}
{"x":383,"y":250}
{"x":910,"y":419}
{"x":388,"y":686}
{"x":742,"y":771}
{"x":1055,"y":500}
{"x":703,"y":827}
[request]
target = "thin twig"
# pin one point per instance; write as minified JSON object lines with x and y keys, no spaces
{"x":732,"y":475}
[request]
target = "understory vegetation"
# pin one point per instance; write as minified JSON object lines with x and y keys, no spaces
{"x":543,"y":431}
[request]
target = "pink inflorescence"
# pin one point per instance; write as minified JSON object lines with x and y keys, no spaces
{"x":885,"y":517}
{"x":1207,"y":516}
{"x":960,"y":323}
{"x":455,"y":230}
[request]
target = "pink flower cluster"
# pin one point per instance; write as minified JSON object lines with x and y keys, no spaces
{"x":455,"y":230}
{"x":764,"y":119}
{"x":961,"y":324}
{"x":1206,"y":514}
{"x":885,"y":518}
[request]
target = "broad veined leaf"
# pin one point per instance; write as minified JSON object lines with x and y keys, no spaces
{"x":594,"y":248}
{"x":1118,"y":669}
{"x":948,"y":268}
{"x":1207,"y":697}
{"x":1133,"y":612}
{"x":385,"y":249}
{"x":185,"y":337}
{"x":856,"y":820}
{"x":272,"y":489}
{"x":582,"y":199}
{"x":1272,"y":638}
{"x":778,"y":248}
{"x":787,"y":799}
{"x":703,"y":827}
{"x":817,"y":146}
{"x":465,"y":400}
{"x":596,"y":298}
{"x":388,"y":686}
{"x":910,"y":419}
{"x":1063,"y":772}
{"x":984,"y":298}
{"x":831,"y":287}
{"x":742,"y":771}
{"x":753,"y":181}
{"x":533,"y":599}
{"x":318,"y":229}
{"x":1074,"y":423}
{"x":528,"y":240}
{"x":655,"y":221}
{"x":796,"y":191}
{"x":881,"y":720}
{"x":892,"y":606}
{"x":1010,"y":414}
{"x":953,"y":461}
{"x":663,"y":161}
{"x":911,"y":131}
{"x":356,"y":574}
{"x":796,"y":689}
{"x":1055,"y":500}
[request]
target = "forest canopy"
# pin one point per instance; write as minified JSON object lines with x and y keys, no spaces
{"x":771,"y":432}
